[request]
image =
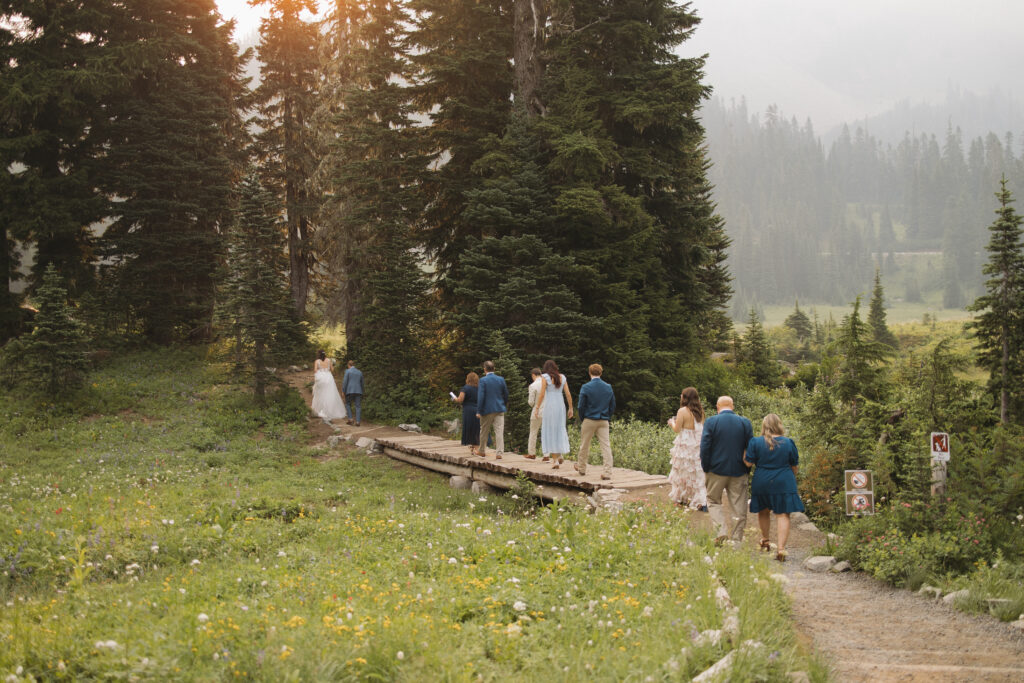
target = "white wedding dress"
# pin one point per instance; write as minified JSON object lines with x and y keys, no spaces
{"x":327,"y":403}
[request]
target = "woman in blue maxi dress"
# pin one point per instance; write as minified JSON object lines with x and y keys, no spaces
{"x":551,"y":402}
{"x":470,"y":422}
{"x":774,"y":486}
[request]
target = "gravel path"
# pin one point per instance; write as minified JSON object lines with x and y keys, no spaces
{"x":870,"y":631}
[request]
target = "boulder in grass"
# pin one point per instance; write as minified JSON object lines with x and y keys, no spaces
{"x":334,"y":441}
{"x":410,"y":428}
{"x":840,"y":567}
{"x":819,"y":563}
{"x":481,"y":487}
{"x":951,"y":598}
{"x":458,"y":482}
{"x":366,"y":442}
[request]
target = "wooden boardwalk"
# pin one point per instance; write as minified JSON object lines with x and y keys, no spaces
{"x":451,"y":457}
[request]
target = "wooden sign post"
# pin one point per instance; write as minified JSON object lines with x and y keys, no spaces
{"x":940,"y":456}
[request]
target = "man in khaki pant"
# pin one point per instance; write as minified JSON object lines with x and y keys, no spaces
{"x":535,"y":419}
{"x":722,"y":447}
{"x":596,"y":406}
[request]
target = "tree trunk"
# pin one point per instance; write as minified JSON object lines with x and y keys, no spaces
{"x":1004,"y":393}
{"x":530,"y":20}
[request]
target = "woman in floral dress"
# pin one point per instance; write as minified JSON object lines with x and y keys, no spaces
{"x":687,"y":477}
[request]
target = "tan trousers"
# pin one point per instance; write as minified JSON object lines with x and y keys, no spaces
{"x":496,"y":420}
{"x":531,"y":444}
{"x":587,"y":431}
{"x":735,"y":489}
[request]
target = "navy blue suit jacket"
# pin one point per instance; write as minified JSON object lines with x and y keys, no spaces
{"x":493,"y":396}
{"x":597,"y":400}
{"x":723,"y":443}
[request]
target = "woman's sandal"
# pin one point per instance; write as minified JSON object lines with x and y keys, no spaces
{"x":766,"y":545}
{"x":546,"y":458}
{"x":781,"y":555}
{"x":558,"y":461}
{"x":530,"y":457}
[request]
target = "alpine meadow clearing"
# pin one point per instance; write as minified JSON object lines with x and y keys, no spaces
{"x":160,"y":527}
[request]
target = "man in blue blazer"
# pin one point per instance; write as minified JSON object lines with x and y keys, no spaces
{"x":596,"y":407}
{"x":491,"y":402}
{"x":722,"y":447}
{"x":352,"y":387}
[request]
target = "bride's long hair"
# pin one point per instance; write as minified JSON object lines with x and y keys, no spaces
{"x":691,"y":399}
{"x":321,"y":355}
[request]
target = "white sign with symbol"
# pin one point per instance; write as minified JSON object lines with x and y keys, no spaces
{"x":940,"y":446}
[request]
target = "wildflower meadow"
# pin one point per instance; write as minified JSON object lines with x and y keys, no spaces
{"x":161,"y":528}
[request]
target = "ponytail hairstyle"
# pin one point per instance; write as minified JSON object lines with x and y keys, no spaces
{"x":771,"y":427}
{"x":551,"y":368}
{"x":691,"y":401}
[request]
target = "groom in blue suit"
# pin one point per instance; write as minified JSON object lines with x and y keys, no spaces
{"x":722,"y":447}
{"x":491,"y":402}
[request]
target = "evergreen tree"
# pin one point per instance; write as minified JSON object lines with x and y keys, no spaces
{"x":625,"y":161}
{"x":876,"y":315}
{"x":286,"y":101}
{"x":370,"y":174}
{"x":174,"y":136}
{"x":757,"y":357}
{"x":799,"y":323}
{"x":256,"y":305}
{"x":53,"y":355}
{"x":858,"y":361}
{"x":464,"y":80}
{"x":55,"y":71}
{"x":999,"y":325}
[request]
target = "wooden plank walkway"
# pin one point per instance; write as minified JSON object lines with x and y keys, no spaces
{"x":451,"y":457}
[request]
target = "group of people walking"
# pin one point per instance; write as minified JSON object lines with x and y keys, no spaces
{"x":710,"y":458}
{"x":711,"y":461}
{"x":484,"y":402}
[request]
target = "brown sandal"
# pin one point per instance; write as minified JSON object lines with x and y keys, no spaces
{"x":766,"y":545}
{"x":546,"y":458}
{"x":530,"y":457}
{"x":781,"y":555}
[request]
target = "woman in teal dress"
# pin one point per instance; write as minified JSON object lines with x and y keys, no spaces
{"x":774,"y":485}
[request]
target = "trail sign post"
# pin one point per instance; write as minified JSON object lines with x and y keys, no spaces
{"x":940,"y":456}
{"x":860,"y":492}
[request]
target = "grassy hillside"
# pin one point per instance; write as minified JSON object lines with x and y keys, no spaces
{"x":167,"y":531}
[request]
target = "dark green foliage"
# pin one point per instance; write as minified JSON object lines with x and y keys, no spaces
{"x":174,"y":134}
{"x":55,"y":72}
{"x":799,"y":323}
{"x":286,"y":101}
{"x":876,"y":315}
{"x":465,"y":82}
{"x":52,"y":357}
{"x":857,"y":362}
{"x":370,"y":176}
{"x":757,"y":358}
{"x":255,"y":306}
{"x":999,"y":325}
{"x":519,"y":286}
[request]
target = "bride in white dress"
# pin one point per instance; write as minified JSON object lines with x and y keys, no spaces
{"x":327,"y":402}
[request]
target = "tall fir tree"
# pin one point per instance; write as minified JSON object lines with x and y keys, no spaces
{"x":55,"y":72}
{"x":463,"y":80}
{"x":757,"y":357}
{"x":799,"y":323}
{"x":286,"y":100}
{"x":174,"y":134}
{"x":876,"y":314}
{"x":999,"y":325}
{"x":631,"y":199}
{"x":52,"y":357}
{"x":256,"y":306}
{"x":857,"y":361}
{"x":370,"y":173}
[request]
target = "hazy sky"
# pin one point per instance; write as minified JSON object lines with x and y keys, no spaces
{"x":840,"y":60}
{"x":836,"y":60}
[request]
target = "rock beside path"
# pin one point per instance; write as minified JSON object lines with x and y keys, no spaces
{"x":366,"y":442}
{"x":458,"y":482}
{"x":840,"y":567}
{"x":951,"y":598}
{"x":410,"y":428}
{"x":819,"y":563}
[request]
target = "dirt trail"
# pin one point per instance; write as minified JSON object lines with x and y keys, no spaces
{"x":866,"y":630}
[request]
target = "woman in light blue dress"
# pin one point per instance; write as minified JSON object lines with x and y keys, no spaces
{"x":554,"y":437}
